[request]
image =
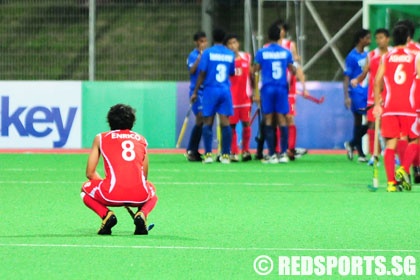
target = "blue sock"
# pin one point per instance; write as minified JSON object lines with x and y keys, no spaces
{"x":208,"y":138}
{"x":195,"y":138}
{"x":226,"y":139}
{"x":269,"y":138}
{"x":284,"y":138}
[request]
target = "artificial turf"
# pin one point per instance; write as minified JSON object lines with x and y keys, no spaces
{"x":212,"y":221}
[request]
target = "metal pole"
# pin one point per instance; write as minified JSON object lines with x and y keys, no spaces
{"x":206,"y":19}
{"x":92,"y":14}
{"x":325,"y":32}
{"x":260,"y":23}
{"x":302,"y":33}
{"x":247,"y":26}
{"x":333,"y":40}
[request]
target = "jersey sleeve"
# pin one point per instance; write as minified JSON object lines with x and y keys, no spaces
{"x":190,"y":60}
{"x":202,"y":66}
{"x":349,"y":64}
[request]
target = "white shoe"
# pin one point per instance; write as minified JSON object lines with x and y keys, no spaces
{"x":284,"y":158}
{"x":270,"y":159}
{"x":234,"y":158}
{"x":225,"y":159}
{"x":208,"y":158}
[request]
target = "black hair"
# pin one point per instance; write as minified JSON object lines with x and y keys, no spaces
{"x":410,"y":26}
{"x":282,"y":24}
{"x":360,"y":34}
{"x":228,"y":37}
{"x":121,"y":116}
{"x":400,"y":34}
{"x":273,"y":33}
{"x":199,"y":35}
{"x":382,"y":31}
{"x":218,"y":35}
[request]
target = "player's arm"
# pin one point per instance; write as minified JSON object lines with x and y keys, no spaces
{"x":293,"y":50}
{"x":347,"y":100}
{"x":256,"y":77}
{"x":93,"y":160}
{"x":146,"y":166}
{"x":200,"y":80}
{"x":298,"y":71}
{"x":377,"y":90}
{"x":354,"y":82}
{"x":194,"y":67}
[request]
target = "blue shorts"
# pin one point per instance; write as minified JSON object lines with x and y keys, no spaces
{"x":217,"y":100}
{"x":358,"y":100}
{"x":197,"y":106}
{"x":274,"y":99}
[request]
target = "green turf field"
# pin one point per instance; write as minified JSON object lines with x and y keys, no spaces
{"x":212,"y":221}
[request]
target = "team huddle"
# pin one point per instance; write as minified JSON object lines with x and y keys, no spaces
{"x":384,"y":84}
{"x":222,"y":81}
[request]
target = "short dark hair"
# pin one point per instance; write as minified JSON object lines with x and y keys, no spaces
{"x":273,"y":33}
{"x":410,"y":26}
{"x":400,"y":34}
{"x":121,"y":116}
{"x":282,"y":24}
{"x":382,"y":31}
{"x":200,"y":34}
{"x":360,"y":34}
{"x":228,"y":37}
{"x":218,"y":35}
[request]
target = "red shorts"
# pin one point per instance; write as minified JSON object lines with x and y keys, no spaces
{"x":93,"y":189}
{"x":242,"y":114}
{"x":399,"y":126}
{"x":292,"y":104}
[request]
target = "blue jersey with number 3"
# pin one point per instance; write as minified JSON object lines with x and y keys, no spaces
{"x":219,"y":63}
{"x":274,"y":61}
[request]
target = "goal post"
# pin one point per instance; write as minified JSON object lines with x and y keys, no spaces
{"x":385,"y":13}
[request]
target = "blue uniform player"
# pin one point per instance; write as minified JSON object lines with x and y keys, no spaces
{"x":216,"y":65}
{"x":355,"y":98}
{"x":274,"y":61}
{"x":193,"y":60}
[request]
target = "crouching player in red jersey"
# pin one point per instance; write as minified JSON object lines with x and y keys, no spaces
{"x":126,"y":167}
{"x":397,"y":72}
{"x":241,"y":98}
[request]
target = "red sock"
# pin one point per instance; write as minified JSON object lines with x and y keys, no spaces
{"x":277,"y":143}
{"x":292,"y":136}
{"x":389,"y":161}
{"x":148,"y":206}
{"x":234,"y":144}
{"x":246,"y":137}
{"x":409,"y":156}
{"x":371,"y":137}
{"x":98,"y":208}
{"x":401,"y":147}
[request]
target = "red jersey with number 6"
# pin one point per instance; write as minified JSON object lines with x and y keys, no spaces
{"x":399,"y":80}
{"x":124,"y":152}
{"x":240,"y":83}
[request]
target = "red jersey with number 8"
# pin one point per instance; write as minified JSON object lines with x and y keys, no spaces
{"x":124,"y":152}
{"x":399,"y":80}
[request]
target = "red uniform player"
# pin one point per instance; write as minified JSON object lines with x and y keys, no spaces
{"x":126,"y":168}
{"x":397,"y":73}
{"x":241,"y":98}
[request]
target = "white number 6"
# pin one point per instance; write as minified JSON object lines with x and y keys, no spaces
{"x":399,"y":76}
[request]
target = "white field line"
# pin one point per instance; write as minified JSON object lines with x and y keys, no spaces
{"x":203,"y":248}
